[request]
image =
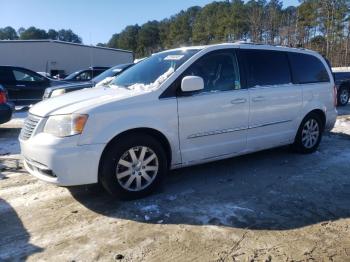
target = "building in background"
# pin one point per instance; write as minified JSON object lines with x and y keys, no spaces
{"x":57,"y":57}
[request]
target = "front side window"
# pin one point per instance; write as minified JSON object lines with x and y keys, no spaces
{"x":85,"y":76}
{"x":307,"y":69}
{"x":219,"y":71}
{"x":265,"y":67}
{"x":148,"y":74}
{"x":25,"y":76}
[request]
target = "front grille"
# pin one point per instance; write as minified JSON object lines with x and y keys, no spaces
{"x":29,"y":126}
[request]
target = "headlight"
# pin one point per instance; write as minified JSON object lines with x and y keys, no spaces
{"x":65,"y":125}
{"x":58,"y":92}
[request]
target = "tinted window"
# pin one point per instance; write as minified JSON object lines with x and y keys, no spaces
{"x":307,"y":69}
{"x":26,"y":76}
{"x":5,"y":75}
{"x":84,"y":76}
{"x":219,"y":71}
{"x":266,"y":67}
{"x":342,"y":76}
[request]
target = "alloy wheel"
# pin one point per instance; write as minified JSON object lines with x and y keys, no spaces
{"x":310,"y":133}
{"x":344,"y":96}
{"x":137,"y":168}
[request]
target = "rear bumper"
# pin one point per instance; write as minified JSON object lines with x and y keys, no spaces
{"x":6,"y":111}
{"x":61,"y":161}
{"x":331,"y":118}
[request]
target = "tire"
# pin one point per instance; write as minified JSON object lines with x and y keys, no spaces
{"x":343,"y":96}
{"x":309,"y":134}
{"x":128,"y":175}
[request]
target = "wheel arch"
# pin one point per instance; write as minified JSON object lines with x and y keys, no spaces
{"x":345,"y":84}
{"x":137,"y":131}
{"x":321,"y":114}
{"x":318,"y":112}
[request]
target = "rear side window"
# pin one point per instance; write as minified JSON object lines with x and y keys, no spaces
{"x":307,"y":69}
{"x":5,"y":76}
{"x":265,"y":67}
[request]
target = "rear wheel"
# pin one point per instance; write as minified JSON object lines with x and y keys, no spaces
{"x":343,"y":96}
{"x":133,"y":167}
{"x":309,"y":134}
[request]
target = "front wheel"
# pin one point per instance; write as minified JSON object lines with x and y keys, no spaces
{"x":133,"y":167}
{"x":309,"y":134}
{"x":343,"y":96}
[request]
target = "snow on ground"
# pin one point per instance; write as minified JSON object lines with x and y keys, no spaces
{"x":9,"y":146}
{"x":268,"y":206}
{"x":342,"y":125}
{"x":17,"y":120}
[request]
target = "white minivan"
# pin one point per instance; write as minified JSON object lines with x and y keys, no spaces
{"x":178,"y":108}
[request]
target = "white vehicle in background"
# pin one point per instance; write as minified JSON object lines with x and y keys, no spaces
{"x":179,"y":108}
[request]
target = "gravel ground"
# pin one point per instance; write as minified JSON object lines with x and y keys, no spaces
{"x":269,"y":206}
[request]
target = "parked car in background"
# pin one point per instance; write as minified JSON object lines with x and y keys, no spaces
{"x":179,"y":108}
{"x":24,"y":87}
{"x":86,"y":74}
{"x":45,"y":74}
{"x":103,"y":79}
{"x":342,"y":82}
{"x":6,"y":108}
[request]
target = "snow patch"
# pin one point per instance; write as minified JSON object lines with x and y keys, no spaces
{"x":105,"y":81}
{"x":153,"y":86}
{"x":150,"y":208}
{"x":17,"y":120}
{"x":224,"y":213}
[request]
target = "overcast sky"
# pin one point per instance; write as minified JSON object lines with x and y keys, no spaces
{"x":94,"y":21}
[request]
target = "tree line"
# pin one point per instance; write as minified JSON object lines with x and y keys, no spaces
{"x":321,"y":25}
{"x":33,"y":33}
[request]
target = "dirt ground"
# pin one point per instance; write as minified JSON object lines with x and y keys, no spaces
{"x":269,"y":206}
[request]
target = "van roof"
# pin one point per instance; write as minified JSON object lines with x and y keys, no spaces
{"x":243,"y":44}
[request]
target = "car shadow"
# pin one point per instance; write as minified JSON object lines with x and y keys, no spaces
{"x":272,"y":189}
{"x":344,"y":110}
{"x":14,"y":241}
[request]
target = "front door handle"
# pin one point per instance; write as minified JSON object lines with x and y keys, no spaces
{"x":20,"y":85}
{"x":238,"y":101}
{"x":258,"y":99}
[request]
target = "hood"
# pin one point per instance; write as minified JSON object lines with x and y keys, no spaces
{"x":57,"y":82}
{"x":80,"y":100}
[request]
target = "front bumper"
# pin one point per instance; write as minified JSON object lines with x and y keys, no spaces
{"x":61,"y":161}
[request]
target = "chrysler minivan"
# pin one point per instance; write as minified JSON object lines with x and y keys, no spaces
{"x":179,"y":108}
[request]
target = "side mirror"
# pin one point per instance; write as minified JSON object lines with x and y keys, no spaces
{"x":192,"y":83}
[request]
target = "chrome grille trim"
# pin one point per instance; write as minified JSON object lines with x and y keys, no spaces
{"x":29,"y":126}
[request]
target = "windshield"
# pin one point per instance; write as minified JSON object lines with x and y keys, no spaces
{"x":151,"y":72}
{"x":115,"y":70}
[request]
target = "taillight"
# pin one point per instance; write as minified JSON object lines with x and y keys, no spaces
{"x":335,"y":96}
{"x":3,"y":98}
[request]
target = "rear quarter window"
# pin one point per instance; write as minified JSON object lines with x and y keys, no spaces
{"x":265,"y":67}
{"x":307,"y":69}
